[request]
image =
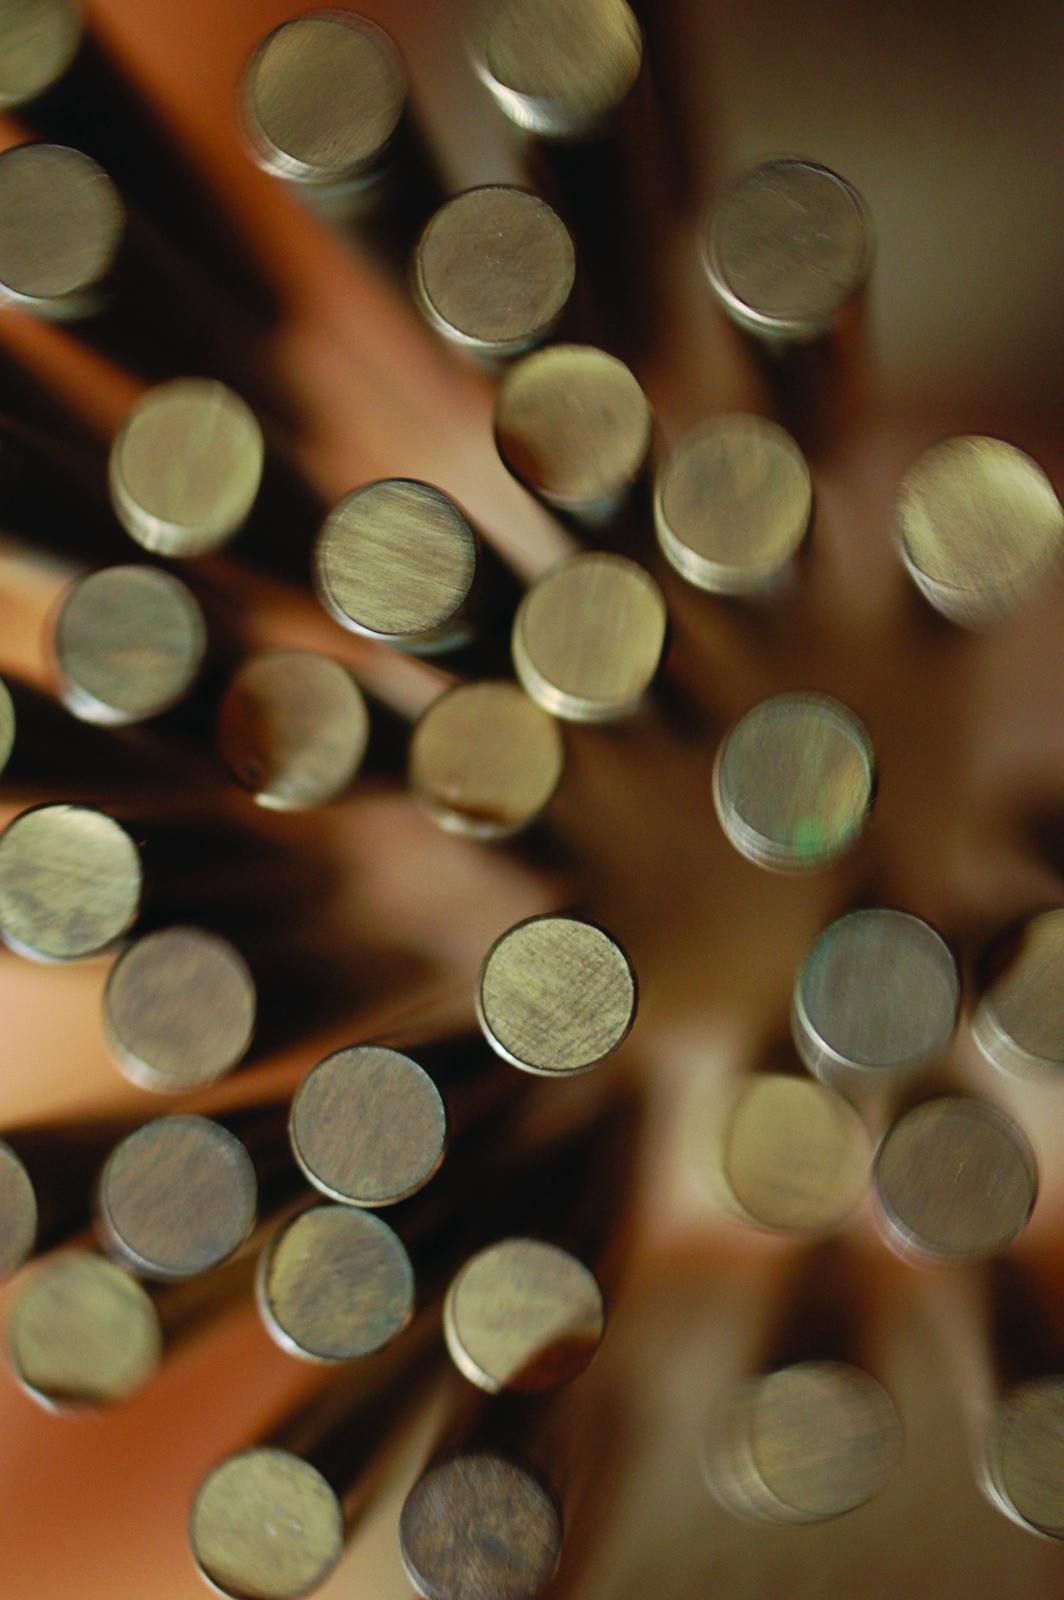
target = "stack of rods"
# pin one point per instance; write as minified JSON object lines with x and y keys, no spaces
{"x":408,"y":1196}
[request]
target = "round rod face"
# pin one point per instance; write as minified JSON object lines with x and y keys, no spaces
{"x":794,"y":782}
{"x":588,"y":638}
{"x":322,"y":98}
{"x":179,"y":1009}
{"x":555,"y":995}
{"x":494,"y":270}
{"x":70,"y":883}
{"x":18,"y":1212}
{"x":293,"y":729}
{"x":1019,"y":1024}
{"x":61,"y":225}
{"x":1023,"y":1461}
{"x":732,"y":504}
{"x":559,"y":68}
{"x":368,"y":1126}
{"x":396,"y":561}
{"x":979,"y":527}
{"x":83,"y":1332}
{"x":878,"y":993}
{"x":789,"y":247}
{"x":795,"y":1156}
{"x":572,"y":425}
{"x":38,"y":41}
{"x":335,"y":1284}
{"x":807,"y":1443}
{"x":128,"y":644}
{"x":176,"y":1197}
{"x":265,"y":1525}
{"x":185,"y":467}
{"x":956,"y":1180}
{"x":479,"y":1525}
{"x":485,"y":760}
{"x":523,"y":1315}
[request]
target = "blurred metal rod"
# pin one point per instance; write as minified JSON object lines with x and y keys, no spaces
{"x":1019,"y":1020}
{"x":326,"y":112}
{"x":494,"y":270}
{"x":876,"y":998}
{"x":71,"y":881}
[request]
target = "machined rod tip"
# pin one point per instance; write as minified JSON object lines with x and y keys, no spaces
{"x":573,"y":425}
{"x":588,"y":637}
{"x":265,"y":1525}
{"x":494,"y":270}
{"x":292,"y":729}
{"x":732,"y":504}
{"x":185,"y":467}
{"x":956,"y":1181}
{"x":794,"y":782}
{"x":61,"y":226}
{"x":18,"y":1212}
{"x":1023,"y":1456}
{"x":556,"y":995}
{"x":1019,"y":1022}
{"x":523,"y":1315}
{"x":877,"y":995}
{"x":368,"y":1126}
{"x":789,"y":247}
{"x":70,"y":882}
{"x":176,"y":1197}
{"x":480,"y":1525}
{"x":335,"y":1284}
{"x":38,"y":41}
{"x":979,"y":527}
{"x":128,"y":644}
{"x":179,"y":1009}
{"x":83,"y":1332}
{"x":484,"y":760}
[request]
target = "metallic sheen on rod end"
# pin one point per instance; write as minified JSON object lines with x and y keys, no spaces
{"x":61,"y":227}
{"x":1019,"y":1022}
{"x":556,"y":995}
{"x":70,"y":883}
{"x":794,"y":782}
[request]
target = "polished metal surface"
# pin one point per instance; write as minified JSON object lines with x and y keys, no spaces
{"x":128,"y":644}
{"x":806,"y":1443}
{"x":7,"y":725}
{"x":794,"y":1156}
{"x":82,"y":1332}
{"x":1023,"y":1456}
{"x":61,"y":225}
{"x":322,"y":97}
{"x":186,"y":466}
{"x":70,"y":882}
{"x":523,"y":1315}
{"x":38,"y":41}
{"x":789,"y":247}
{"x":732,"y":504}
{"x":179,"y":1009}
{"x":265,"y":1525}
{"x":484,"y":760}
{"x":335,"y":1284}
{"x":478,"y":1526}
{"x":979,"y":527}
{"x":956,"y":1180}
{"x":573,"y":425}
{"x":176,"y":1197}
{"x":877,"y":995}
{"x":368,"y":1126}
{"x":292,"y":729}
{"x":558,"y":68}
{"x":794,"y":782}
{"x":555,"y":995}
{"x":1019,"y":1022}
{"x":494,"y":270}
{"x":396,"y":561}
{"x":18,"y":1212}
{"x":588,"y":637}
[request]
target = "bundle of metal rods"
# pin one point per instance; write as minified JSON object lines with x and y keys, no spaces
{"x":533,"y":1044}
